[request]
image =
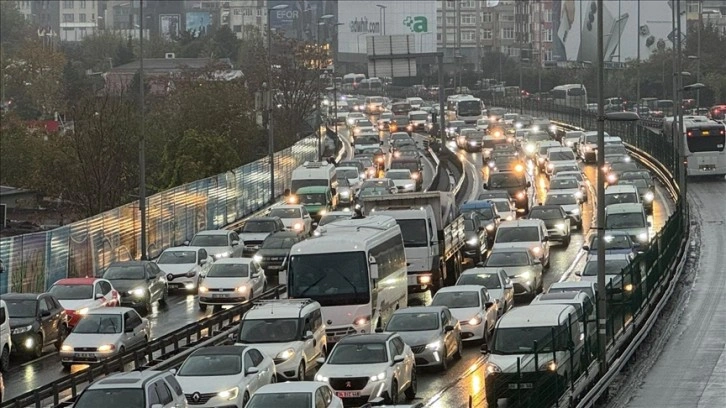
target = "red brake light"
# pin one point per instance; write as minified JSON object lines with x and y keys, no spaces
{"x":690,"y":133}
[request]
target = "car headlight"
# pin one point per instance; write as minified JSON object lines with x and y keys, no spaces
{"x":298,"y":226}
{"x":536,"y":250}
{"x":521,"y":195}
{"x":518,"y":125}
{"x":360,"y":321}
{"x":423,"y":279}
{"x":560,"y":227}
{"x":509,"y":218}
{"x":221,"y":255}
{"x":83,"y":311}
{"x":549,"y":366}
{"x":643,"y":237}
{"x":491,"y":164}
{"x":569,"y":143}
{"x":66,"y":347}
{"x":493,"y":368}
{"x":535,"y":128}
{"x":612,"y":178}
{"x":257,"y":258}
{"x":379,"y":377}
{"x":203,"y":289}
{"x":529,"y":148}
{"x":434,"y":345}
{"x":105,"y":348}
{"x":242,"y":289}
{"x":578,"y":194}
{"x":576,"y":211}
{"x":540,"y":159}
{"x":472,"y":241}
{"x":526,"y":275}
{"x":230,"y":394}
{"x":628,"y":287}
{"x":285,"y":355}
{"x":649,"y":196}
{"x":351,"y":121}
{"x":588,"y":148}
{"x":490,"y":227}
{"x":553,"y":128}
{"x":550,"y":166}
{"x":519,"y":168}
{"x":21,"y":329}
{"x":322,"y":212}
{"x":321,"y":378}
{"x":414,"y":176}
{"x":475,"y":320}
{"x":138,"y":292}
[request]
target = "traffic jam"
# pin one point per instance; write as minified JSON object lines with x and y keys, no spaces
{"x":389,"y":284}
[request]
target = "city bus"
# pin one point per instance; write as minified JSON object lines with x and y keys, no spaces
{"x":571,"y":95}
{"x":705,"y":141}
{"x":355,"y":269}
{"x":465,"y":107}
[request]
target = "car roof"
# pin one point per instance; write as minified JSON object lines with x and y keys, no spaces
{"x":109,"y":311}
{"x":284,"y":234}
{"x":536,"y":315}
{"x":547,"y":297}
{"x":460,"y":288}
{"x":421,"y":309}
{"x":366,"y":338}
{"x":508,"y":249}
{"x":76,"y":281}
{"x":263,"y":219}
{"x":213,"y":232}
{"x":288,"y":206}
{"x":613,"y":257}
{"x":572,"y":284}
{"x":127,"y":379}
{"x":130,"y":263}
{"x":620,"y":187}
{"x":290,"y":386}
{"x":478,"y":270}
{"x":624,"y":208}
{"x":521,"y":223}
{"x":21,"y":296}
{"x":280,"y":308}
{"x":220,"y":350}
{"x":233,"y":260}
{"x":183,"y":248}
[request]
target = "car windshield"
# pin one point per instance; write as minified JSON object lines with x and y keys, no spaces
{"x":313,"y":198}
{"x":576,"y":174}
{"x":286,"y":213}
{"x":229,"y":270}
{"x":496,"y":194}
{"x":482,"y":213}
{"x":624,"y":220}
{"x":546,"y":213}
{"x":560,"y":199}
{"x":18,"y":308}
{"x":398,"y":175}
{"x":502,"y":206}
{"x":488,"y":280}
{"x":209,"y":240}
{"x":621,"y":198}
{"x":521,"y":340}
{"x":413,"y":322}
{"x":278,"y":242}
{"x":456,"y":299}
{"x":612,"y":267}
{"x":124,"y":272}
{"x":508,"y":259}
{"x":506,"y":180}
{"x":347,"y":173}
{"x":259,"y":226}
{"x":563,"y":183}
{"x":614,"y":150}
{"x":562,"y":155}
{"x":99,"y":323}
{"x":281,"y":400}
{"x":211,"y":365}
{"x":268,"y":331}
{"x":419,"y":116}
{"x":111,"y":398}
{"x":619,"y":241}
{"x":640,"y":184}
{"x":330,"y":278}
{"x":635,"y":175}
{"x":372,"y":191}
{"x":414,"y":233}
{"x":543,"y":149}
{"x":517,"y":234}
{"x":469,"y":225}
{"x":177,"y":257}
{"x":408,"y":165}
{"x":71,"y":292}
{"x":359,"y":353}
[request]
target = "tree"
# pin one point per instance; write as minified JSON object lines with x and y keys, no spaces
{"x":201,"y":154}
{"x":13,"y":28}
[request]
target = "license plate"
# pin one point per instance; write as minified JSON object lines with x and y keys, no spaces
{"x":273,"y":268}
{"x":219,"y":295}
{"x":85,"y":355}
{"x":522,"y":386}
{"x":347,"y":394}
{"x":412,"y":280}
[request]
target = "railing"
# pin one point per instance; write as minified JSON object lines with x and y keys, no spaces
{"x":33,"y":262}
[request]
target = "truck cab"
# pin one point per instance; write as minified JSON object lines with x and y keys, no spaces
{"x":317,"y":200}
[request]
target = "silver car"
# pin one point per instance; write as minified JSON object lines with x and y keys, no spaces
{"x":433,"y":334}
{"x":497,"y":282}
{"x":523,"y":269}
{"x":103,"y":333}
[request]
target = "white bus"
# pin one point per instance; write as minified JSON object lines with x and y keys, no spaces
{"x":314,"y":174}
{"x":572,"y":95}
{"x":356,"y":269}
{"x":466,"y":108}
{"x":705,"y":141}
{"x":352,"y":81}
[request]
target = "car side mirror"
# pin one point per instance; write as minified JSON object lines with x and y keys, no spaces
{"x":537,"y":261}
{"x":484,"y":349}
{"x":586,"y":247}
{"x":487,"y":305}
{"x":448,"y":328}
{"x":578,"y":273}
{"x":315,"y":224}
{"x":398,"y":359}
{"x":99,"y":296}
{"x":173,"y":371}
{"x":529,"y":184}
{"x":320,"y":360}
{"x":252,"y":370}
{"x":45,"y":313}
{"x":186,"y":243}
{"x":379,"y":329}
{"x":374,"y":271}
{"x":485,"y":186}
{"x":308,"y":335}
{"x":203,"y":261}
{"x":235,"y":242}
{"x":509,"y":286}
{"x":650,"y":224}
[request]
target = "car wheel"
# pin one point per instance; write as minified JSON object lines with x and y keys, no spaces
{"x":62,"y":334}
{"x":301,"y":371}
{"x":37,"y":350}
{"x":203,"y":307}
{"x":444,"y":359}
{"x":245,"y":399}
{"x":122,"y":350}
{"x":5,"y":359}
{"x":393,"y":393}
{"x":566,"y":242}
{"x":459,"y":349}
{"x":413,"y":387}
{"x":164,"y":296}
{"x":66,"y":366}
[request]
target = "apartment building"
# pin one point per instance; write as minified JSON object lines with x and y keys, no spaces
{"x":246,"y":18}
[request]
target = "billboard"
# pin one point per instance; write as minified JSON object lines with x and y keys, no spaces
{"x":169,"y":25}
{"x":575,"y":30}
{"x":199,"y":23}
{"x":299,"y":20}
{"x":361,"y":19}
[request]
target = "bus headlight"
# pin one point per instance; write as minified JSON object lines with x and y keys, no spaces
{"x":649,"y":196}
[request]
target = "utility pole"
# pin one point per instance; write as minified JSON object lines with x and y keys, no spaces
{"x":637,"y":88}
{"x":142,"y":138}
{"x":682,"y":183}
{"x":442,"y":112}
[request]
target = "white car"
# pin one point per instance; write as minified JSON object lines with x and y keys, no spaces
{"x":224,"y":376}
{"x":402,"y":178}
{"x":529,"y":233}
{"x":78,"y":296}
{"x":472,"y":306}
{"x":364,"y":126}
{"x":231,"y":281}
{"x":569,"y":200}
{"x":614,"y":264}
{"x":303,"y":394}
{"x":353,"y":117}
{"x":352,"y":174}
{"x":497,"y":282}
{"x":217,"y":243}
{"x":505,"y":208}
{"x":103,"y":333}
{"x":580,"y":181}
{"x":365,"y":367}
{"x":295,"y":217}
{"x":184,"y":266}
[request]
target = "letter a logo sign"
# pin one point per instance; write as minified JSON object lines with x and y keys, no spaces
{"x":417,"y":24}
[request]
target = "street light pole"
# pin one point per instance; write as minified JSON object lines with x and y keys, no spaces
{"x":601,"y":304}
{"x":270,"y":104}
{"x":142,"y":138}
{"x":382,"y":21}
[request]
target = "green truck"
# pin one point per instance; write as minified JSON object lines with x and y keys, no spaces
{"x":318,"y":200}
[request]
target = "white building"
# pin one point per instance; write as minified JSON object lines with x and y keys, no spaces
{"x":78,"y":18}
{"x":246,"y":18}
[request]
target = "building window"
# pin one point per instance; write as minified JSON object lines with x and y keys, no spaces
{"x":508,"y":33}
{"x":438,"y":36}
{"x":82,"y":18}
{"x":82,"y":4}
{"x":237,"y":12}
{"x":486,"y":17}
{"x":67,"y":4}
{"x":548,"y":15}
{"x":486,"y":34}
{"x":467,"y":36}
{"x":506,"y":17}
{"x":237,"y":28}
{"x":467,"y":3}
{"x":547,"y":35}
{"x":468,"y":19}
{"x":548,"y":55}
{"x":450,"y":21}
{"x":68,"y":18}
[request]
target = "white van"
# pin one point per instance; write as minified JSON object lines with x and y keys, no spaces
{"x":5,"y":342}
{"x":631,"y":219}
{"x":511,"y":369}
{"x":318,"y":174}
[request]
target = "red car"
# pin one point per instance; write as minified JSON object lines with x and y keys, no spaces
{"x":80,"y":295}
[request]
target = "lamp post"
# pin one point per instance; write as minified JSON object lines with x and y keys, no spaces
{"x":521,"y":97}
{"x":318,"y":119}
{"x":585,"y":64}
{"x":142,"y":137}
{"x":382,"y":21}
{"x":697,"y":58}
{"x":270,"y":90}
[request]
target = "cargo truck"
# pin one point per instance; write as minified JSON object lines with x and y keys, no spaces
{"x":433,"y":235}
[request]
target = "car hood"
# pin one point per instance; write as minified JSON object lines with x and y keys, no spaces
{"x":253,"y":236}
{"x":124,"y":285}
{"x":176,"y":269}
{"x":352,"y":370}
{"x":465,"y":313}
{"x":419,"y":338}
{"x":510,"y":270}
{"x":289,"y":222}
{"x":403,"y":183}
{"x":528,"y":245}
{"x":21,"y":321}
{"x":77,"y":304}
{"x":273,"y":252}
{"x":208,"y":384}
{"x":91,"y":339}
{"x":218,"y":250}
{"x":272,"y":349}
{"x":550,"y":223}
{"x":495,"y":293}
{"x":224,"y":283}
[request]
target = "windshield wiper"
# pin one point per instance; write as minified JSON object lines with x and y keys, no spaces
{"x":311,"y":286}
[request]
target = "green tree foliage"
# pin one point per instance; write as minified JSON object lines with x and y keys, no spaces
{"x":200,"y":154}
{"x":13,"y":28}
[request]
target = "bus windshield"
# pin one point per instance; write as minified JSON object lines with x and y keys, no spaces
{"x":330,"y":278}
{"x":298,"y":184}
{"x":469,"y":107}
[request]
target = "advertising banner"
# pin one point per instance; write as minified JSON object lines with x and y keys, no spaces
{"x":575,"y":30}
{"x":199,"y":23}
{"x":361,"y":19}
{"x":169,"y":25}
{"x":299,"y":20}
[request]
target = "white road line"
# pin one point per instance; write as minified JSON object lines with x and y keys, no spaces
{"x":572,"y":266}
